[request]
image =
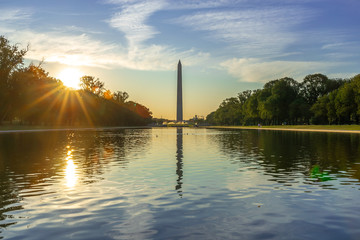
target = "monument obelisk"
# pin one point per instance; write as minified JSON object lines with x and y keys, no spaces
{"x":179,"y":110}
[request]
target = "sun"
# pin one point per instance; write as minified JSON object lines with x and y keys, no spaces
{"x":70,"y":77}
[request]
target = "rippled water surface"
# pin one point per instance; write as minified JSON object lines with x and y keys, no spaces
{"x":168,"y":183}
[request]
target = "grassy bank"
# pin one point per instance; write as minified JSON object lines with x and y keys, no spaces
{"x":315,"y":128}
{"x":319,"y":127}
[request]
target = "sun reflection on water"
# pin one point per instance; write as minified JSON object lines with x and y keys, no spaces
{"x":70,"y":171}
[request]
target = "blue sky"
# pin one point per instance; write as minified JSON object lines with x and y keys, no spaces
{"x":226,"y":46}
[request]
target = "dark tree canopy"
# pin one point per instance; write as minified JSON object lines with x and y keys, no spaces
{"x":11,"y":60}
{"x":318,"y":85}
{"x":92,"y":84}
{"x":120,"y":96}
{"x":30,"y":96}
{"x":317,"y":100}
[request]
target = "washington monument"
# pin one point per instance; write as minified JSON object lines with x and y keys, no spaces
{"x":179,"y":110}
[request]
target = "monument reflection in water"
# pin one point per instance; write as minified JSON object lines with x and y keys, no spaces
{"x":179,"y":160}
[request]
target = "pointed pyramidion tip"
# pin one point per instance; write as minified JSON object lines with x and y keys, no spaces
{"x":179,"y":62}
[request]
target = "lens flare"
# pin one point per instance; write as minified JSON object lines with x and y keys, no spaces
{"x":70,"y":77}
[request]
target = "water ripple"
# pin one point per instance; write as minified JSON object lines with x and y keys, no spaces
{"x":179,"y":184}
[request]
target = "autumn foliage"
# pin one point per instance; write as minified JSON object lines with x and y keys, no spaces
{"x":28,"y":95}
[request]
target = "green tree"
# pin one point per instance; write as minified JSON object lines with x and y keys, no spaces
{"x":229,"y":112}
{"x":345,"y":104}
{"x":317,"y":85}
{"x":320,"y":110}
{"x":318,"y":100}
{"x":11,"y":60}
{"x":251,"y":109}
{"x":210,"y":118}
{"x":244,"y":96}
{"x":314,"y":86}
{"x":331,"y":107}
{"x":265,"y":113}
{"x":299,"y":111}
{"x":276,"y":98}
{"x":356,"y":86}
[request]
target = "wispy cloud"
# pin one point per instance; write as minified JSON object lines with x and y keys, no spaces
{"x":15,"y":14}
{"x":78,"y":46}
{"x":255,"y":33}
{"x":179,"y":4}
{"x":333,"y":45}
{"x":251,"y":32}
{"x":131,"y":19}
{"x":67,"y":49}
{"x":204,"y":4}
{"x":83,"y":50}
{"x":257,"y":70}
{"x":156,"y":57}
{"x":76,"y":29}
{"x":342,"y":46}
{"x":343,"y":75}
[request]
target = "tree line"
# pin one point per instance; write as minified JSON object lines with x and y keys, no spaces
{"x":316,"y":100}
{"x":28,"y":95}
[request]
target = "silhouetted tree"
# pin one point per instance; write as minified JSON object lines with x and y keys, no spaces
{"x":11,"y":60}
{"x":140,"y":109}
{"x":120,"y":96}
{"x":30,"y":95}
{"x":90,"y":84}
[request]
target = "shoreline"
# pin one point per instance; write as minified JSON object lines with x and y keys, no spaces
{"x":266,"y":128}
{"x":286,"y":129}
{"x":70,"y":129}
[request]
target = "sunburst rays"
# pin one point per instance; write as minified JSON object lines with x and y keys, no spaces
{"x":69,"y":99}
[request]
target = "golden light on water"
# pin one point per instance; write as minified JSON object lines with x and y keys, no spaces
{"x":70,"y":77}
{"x":70,"y":171}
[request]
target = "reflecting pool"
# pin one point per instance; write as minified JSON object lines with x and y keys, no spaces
{"x":179,"y":183}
